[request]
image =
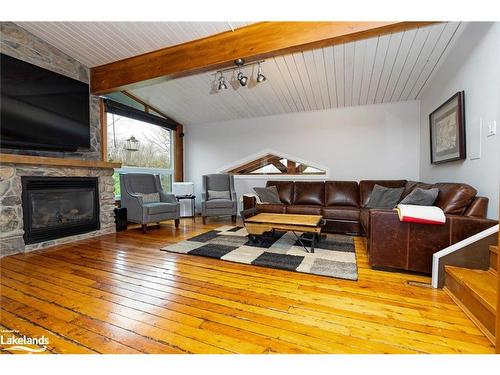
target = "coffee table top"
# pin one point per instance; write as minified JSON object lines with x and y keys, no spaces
{"x":288,"y":219}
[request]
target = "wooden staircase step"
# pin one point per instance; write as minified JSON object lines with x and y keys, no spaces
{"x":475,"y":291}
{"x":494,"y":257}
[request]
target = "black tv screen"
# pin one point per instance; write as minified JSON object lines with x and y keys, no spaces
{"x":41,"y":109}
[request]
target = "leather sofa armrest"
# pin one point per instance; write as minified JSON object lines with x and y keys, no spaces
{"x":249,"y":202}
{"x":478,"y":207}
{"x":466,"y":226}
{"x":409,"y":246}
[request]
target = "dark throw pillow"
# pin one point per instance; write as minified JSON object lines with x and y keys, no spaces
{"x":268,"y":194}
{"x":421,"y":197}
{"x":382,"y":197}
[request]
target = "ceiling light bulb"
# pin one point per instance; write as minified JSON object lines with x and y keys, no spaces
{"x":260,"y":77}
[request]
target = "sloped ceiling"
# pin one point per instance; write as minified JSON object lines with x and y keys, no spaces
{"x":98,"y":43}
{"x":389,"y":68}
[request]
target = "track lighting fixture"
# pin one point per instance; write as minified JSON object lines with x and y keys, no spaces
{"x":240,"y":77}
{"x":260,"y":77}
{"x":222,"y":83}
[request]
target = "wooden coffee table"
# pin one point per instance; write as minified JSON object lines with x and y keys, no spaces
{"x":261,"y":223}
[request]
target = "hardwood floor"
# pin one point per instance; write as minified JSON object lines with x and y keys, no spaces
{"x":119,"y":294}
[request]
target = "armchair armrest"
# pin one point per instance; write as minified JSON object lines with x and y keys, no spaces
{"x":233,"y":195}
{"x":134,"y":204}
{"x":167,"y":197}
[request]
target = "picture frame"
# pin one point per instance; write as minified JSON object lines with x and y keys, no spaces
{"x":447,"y":130}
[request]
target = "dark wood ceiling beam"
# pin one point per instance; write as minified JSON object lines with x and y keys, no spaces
{"x":253,"y":42}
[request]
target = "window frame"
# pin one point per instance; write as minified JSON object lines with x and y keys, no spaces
{"x":144,"y":117}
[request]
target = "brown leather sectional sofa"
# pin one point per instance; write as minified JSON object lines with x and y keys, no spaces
{"x":391,"y":243}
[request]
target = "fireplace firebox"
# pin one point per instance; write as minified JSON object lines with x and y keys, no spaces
{"x":55,"y":207}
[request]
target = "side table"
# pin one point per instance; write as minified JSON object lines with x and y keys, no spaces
{"x":193,"y":201}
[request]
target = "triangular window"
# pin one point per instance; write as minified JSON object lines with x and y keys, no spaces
{"x":275,"y":165}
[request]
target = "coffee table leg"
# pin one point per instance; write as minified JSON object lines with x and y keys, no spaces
{"x":313,"y":242}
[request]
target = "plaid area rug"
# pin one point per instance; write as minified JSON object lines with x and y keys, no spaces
{"x":333,"y":256}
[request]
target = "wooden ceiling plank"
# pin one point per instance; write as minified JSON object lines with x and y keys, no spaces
{"x":392,"y":53}
{"x":359,"y":57}
{"x":253,"y":42}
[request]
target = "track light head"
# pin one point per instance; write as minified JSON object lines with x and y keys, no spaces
{"x":222,"y":83}
{"x":260,"y":77}
{"x":243,"y":79}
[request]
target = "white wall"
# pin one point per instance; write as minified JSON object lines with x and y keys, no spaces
{"x":376,"y":141}
{"x":473,"y":65}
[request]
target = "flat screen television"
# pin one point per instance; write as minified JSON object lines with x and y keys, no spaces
{"x":42,"y":110}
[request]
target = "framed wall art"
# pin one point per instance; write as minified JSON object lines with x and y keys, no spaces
{"x":447,"y":130}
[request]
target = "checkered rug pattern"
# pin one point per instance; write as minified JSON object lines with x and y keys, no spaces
{"x":333,"y":256}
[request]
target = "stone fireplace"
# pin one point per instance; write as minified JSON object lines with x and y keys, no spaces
{"x":48,"y":205}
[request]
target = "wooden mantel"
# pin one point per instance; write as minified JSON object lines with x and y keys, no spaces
{"x":42,"y":160}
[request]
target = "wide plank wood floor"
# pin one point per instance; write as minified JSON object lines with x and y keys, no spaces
{"x":119,"y":294}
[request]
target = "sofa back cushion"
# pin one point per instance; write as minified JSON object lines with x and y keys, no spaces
{"x":341,"y":193}
{"x":285,"y":190}
{"x":366,"y":187}
{"x":309,"y":193}
{"x":454,"y":198}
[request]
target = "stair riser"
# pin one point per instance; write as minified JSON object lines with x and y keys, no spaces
{"x":472,"y":304}
{"x":493,"y":260}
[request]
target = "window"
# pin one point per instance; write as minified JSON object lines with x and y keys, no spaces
{"x":275,"y":165}
{"x":141,"y":147}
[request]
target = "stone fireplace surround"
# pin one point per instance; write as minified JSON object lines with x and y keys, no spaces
{"x":11,"y":216}
{"x":19,"y":43}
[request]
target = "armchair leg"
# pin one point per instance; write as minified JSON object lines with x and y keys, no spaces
{"x":233,"y":219}
{"x":144,"y":228}
{"x":176,"y":221}
{"x":204,"y":219}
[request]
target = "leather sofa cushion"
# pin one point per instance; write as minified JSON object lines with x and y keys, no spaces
{"x":454,"y":198}
{"x":155,"y":208}
{"x":309,"y":193}
{"x":366,"y":187}
{"x":285,"y":190}
{"x":304,"y":209}
{"x":341,"y":213}
{"x":271,"y":208}
{"x":342,"y":193}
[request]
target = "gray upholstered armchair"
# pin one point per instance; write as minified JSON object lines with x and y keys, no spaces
{"x":145,"y":201}
{"x":218,"y":197}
